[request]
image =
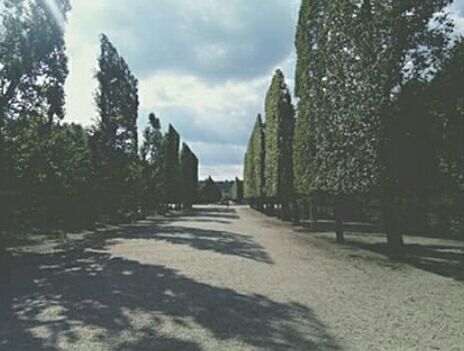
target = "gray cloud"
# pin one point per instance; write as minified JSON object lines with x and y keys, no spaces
{"x":215,"y":40}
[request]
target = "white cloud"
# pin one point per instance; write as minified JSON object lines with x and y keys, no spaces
{"x":168,"y":90}
{"x":221,"y":172}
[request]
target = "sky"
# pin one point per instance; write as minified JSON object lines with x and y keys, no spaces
{"x":203,"y":65}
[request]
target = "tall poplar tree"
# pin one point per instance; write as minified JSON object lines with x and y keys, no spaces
{"x":189,"y":176}
{"x":279,"y":138}
{"x":254,"y":164}
{"x":404,"y":41}
{"x":117,"y":102}
{"x":309,"y":43}
{"x":447,"y":97}
{"x":172,"y":166}
{"x":354,"y":60}
{"x":153,"y":164}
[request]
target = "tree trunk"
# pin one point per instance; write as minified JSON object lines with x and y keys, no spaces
{"x":339,"y":218}
{"x":391,"y":220}
{"x":310,"y":213}
{"x":305,"y":209}
{"x":285,"y":210}
{"x":296,"y":212}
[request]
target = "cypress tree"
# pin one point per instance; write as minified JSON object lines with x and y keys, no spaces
{"x":117,"y":103}
{"x":153,"y":192}
{"x":172,"y":166}
{"x":309,"y":42}
{"x":254,"y":164}
{"x":279,"y":138}
{"x":189,"y":176}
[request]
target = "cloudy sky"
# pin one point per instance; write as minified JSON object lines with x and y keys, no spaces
{"x":203,"y":65}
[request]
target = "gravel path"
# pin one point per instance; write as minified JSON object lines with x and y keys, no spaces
{"x":229,"y":279}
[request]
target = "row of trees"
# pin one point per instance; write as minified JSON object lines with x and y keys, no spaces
{"x":268,"y":173}
{"x":54,"y":173}
{"x":380,"y":116}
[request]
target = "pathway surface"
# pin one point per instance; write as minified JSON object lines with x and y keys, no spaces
{"x":228,"y":279}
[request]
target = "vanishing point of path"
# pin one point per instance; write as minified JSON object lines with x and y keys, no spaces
{"x":228,"y":279}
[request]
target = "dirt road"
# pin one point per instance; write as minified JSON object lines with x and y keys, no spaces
{"x":228,"y":279}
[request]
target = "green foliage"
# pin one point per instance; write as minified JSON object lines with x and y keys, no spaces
{"x":254,"y":163}
{"x":209,"y":192}
{"x":52,"y":173}
{"x":236,"y":190}
{"x":153,"y":161}
{"x":279,"y":137}
{"x":33,"y":68}
{"x":447,"y":105}
{"x":33,"y":61}
{"x":309,"y":73}
{"x":189,"y":175}
{"x":341,"y":129}
{"x":448,"y":97}
{"x":348,"y":83}
{"x":412,"y":141}
{"x":355,"y":62}
{"x":172,"y":166}
{"x":117,"y":102}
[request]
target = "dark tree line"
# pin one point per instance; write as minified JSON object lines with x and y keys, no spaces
{"x":379,"y":120}
{"x":56,"y":174}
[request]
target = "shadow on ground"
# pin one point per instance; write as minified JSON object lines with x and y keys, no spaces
{"x":80,"y":296}
{"x":209,"y":214}
{"x":178,"y":230}
{"x":444,"y":260}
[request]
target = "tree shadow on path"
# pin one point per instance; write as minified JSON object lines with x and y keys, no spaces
{"x":124,"y":305}
{"x":180,"y":231}
{"x":444,"y":260}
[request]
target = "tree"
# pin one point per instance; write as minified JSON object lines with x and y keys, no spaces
{"x":53,"y":174}
{"x":153,"y":188}
{"x":117,"y":103}
{"x":254,"y":164}
{"x":210,"y":192}
{"x":33,"y":60}
{"x":236,"y":190}
{"x":279,"y":138}
{"x":172,"y":166}
{"x":407,"y":41}
{"x":413,"y":151}
{"x":311,"y":35}
{"x":357,"y":57}
{"x":71,"y":184}
{"x":446,"y":95}
{"x":33,"y":69}
{"x":307,"y":91}
{"x":189,"y":176}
